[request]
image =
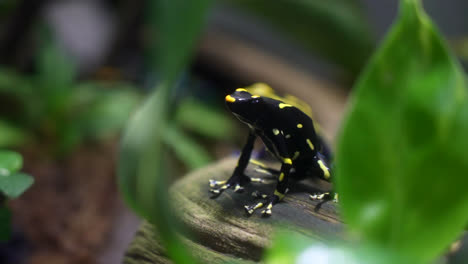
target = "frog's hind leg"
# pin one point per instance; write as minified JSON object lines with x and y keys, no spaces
{"x":260,"y":167}
{"x":322,"y":170}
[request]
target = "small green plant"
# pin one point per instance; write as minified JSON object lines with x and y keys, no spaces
{"x":52,"y":106}
{"x":12,"y":184}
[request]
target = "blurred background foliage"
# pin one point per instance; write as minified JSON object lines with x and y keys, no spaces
{"x":72,"y":72}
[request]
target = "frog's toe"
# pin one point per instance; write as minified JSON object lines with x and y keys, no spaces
{"x":267,"y":211}
{"x":218,"y":191}
{"x":215,"y":183}
{"x":238,"y":188}
{"x":259,"y":180}
{"x":319,"y":196}
{"x":251,"y":209}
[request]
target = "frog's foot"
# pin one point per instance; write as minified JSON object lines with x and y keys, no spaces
{"x":218,"y":187}
{"x":215,"y":183}
{"x":324,"y":196}
{"x":269,"y":201}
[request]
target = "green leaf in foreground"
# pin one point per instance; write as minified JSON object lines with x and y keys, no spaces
{"x":293,"y":248}
{"x":403,"y":151}
{"x":142,"y":170}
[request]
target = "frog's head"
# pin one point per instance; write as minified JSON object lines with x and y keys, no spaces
{"x":245,"y":106}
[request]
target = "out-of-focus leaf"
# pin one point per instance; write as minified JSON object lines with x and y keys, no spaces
{"x":15,"y":184}
{"x":402,"y":154}
{"x":10,"y":135}
{"x":56,"y":75}
{"x":10,"y":162}
{"x":186,"y":149}
{"x":204,"y":120}
{"x":142,"y":170}
{"x":335,"y":29}
{"x":293,"y":248}
{"x":177,"y":24}
{"x":103,"y":112}
{"x":5,"y":223}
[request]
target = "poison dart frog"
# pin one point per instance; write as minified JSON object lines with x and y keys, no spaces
{"x":288,"y":133}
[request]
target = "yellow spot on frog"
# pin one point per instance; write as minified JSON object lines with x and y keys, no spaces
{"x":230,"y":99}
{"x":310,"y":144}
{"x":258,"y":206}
{"x":275,"y":131}
{"x":241,"y":90}
{"x":283,"y":105}
{"x":326,"y":172}
{"x":299,"y":125}
{"x":255,"y":96}
{"x":258,"y":163}
{"x":280,"y":195}
{"x":287,"y":161}
{"x":281,"y":177}
{"x":296,"y":155}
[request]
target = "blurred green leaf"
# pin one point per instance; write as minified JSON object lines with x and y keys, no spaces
{"x":402,"y":153}
{"x":178,"y":24}
{"x":5,"y":223}
{"x":293,"y":248}
{"x":15,"y":184}
{"x":186,"y":149}
{"x":10,"y":162}
{"x":56,"y":76}
{"x":102,"y":112}
{"x":142,"y":170}
{"x":335,"y":29}
{"x":207,"y":121}
{"x":11,"y":135}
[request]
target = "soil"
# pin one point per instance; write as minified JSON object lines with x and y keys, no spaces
{"x":67,"y":215}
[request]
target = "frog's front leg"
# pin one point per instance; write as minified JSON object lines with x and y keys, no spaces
{"x":238,"y":178}
{"x":278,"y":140}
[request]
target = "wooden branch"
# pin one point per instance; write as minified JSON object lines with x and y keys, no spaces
{"x":220,"y":229}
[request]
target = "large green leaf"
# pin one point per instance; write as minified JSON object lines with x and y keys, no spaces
{"x":403,"y":152}
{"x":142,"y":167}
{"x":293,"y":248}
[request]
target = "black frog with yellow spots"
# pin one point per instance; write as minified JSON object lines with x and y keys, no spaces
{"x":288,"y":134}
